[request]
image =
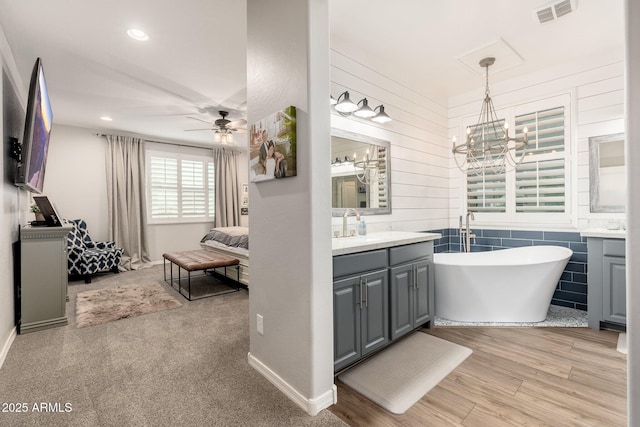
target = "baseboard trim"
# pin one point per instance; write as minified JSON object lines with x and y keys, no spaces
{"x":7,"y":346}
{"x":310,"y":406}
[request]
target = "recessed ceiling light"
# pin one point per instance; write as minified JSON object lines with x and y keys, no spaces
{"x":137,"y":34}
{"x":106,"y":118}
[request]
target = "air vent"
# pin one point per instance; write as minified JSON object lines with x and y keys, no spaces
{"x":555,"y":10}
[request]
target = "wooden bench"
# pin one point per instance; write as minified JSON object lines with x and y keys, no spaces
{"x":198,"y":260}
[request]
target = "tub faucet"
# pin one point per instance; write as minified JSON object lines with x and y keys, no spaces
{"x":344,"y":220}
{"x":467,"y":232}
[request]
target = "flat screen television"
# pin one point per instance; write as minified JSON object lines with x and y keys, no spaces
{"x":37,"y":129}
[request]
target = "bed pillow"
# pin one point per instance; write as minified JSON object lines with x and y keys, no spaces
{"x":229,"y":236}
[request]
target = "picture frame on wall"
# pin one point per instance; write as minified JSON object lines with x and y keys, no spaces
{"x":273,"y":146}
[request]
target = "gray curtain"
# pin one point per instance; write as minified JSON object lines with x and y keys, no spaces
{"x":225,"y":161}
{"x":126,"y":199}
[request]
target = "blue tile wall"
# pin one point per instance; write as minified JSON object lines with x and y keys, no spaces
{"x":571,"y":290}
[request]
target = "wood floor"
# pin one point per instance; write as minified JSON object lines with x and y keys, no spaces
{"x":515,"y":376}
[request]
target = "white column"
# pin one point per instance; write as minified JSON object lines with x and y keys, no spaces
{"x":290,"y":218}
{"x":632,"y":154}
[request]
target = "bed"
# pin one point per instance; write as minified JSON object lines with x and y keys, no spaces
{"x":233,"y":242}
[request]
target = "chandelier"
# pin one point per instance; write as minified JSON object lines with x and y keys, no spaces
{"x":367,"y":169}
{"x":489,"y":146}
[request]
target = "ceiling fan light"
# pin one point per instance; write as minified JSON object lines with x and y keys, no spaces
{"x":365,"y":111}
{"x":217,"y":136}
{"x":381,"y":117}
{"x":345,"y":105}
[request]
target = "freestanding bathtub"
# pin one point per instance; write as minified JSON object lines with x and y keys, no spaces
{"x":508,"y":285}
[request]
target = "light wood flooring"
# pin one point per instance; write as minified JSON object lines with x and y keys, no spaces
{"x":515,"y":376}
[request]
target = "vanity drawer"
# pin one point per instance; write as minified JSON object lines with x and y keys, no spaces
{"x":347,"y":265}
{"x":613,"y":247}
{"x":407,"y":253}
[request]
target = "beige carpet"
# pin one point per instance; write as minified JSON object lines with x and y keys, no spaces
{"x":104,"y":305}
{"x":400,"y":375}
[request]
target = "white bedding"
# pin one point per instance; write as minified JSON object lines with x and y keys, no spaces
{"x":242,"y":254}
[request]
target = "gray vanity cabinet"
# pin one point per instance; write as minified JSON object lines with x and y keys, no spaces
{"x":360,"y":305}
{"x":411,"y":287}
{"x":606,"y":276}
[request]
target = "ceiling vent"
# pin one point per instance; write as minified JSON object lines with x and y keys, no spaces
{"x":555,"y":10}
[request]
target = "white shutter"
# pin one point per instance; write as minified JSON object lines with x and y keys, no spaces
{"x":545,"y":130}
{"x":164,"y":187}
{"x":211,"y":189}
{"x":193,"y":189}
{"x":540,"y":186}
{"x":486,"y":192}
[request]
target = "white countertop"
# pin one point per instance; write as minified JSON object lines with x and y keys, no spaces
{"x":380,"y":240}
{"x":604,"y":233}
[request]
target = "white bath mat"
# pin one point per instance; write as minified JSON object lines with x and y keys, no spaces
{"x":622,"y":343}
{"x":401,"y":374}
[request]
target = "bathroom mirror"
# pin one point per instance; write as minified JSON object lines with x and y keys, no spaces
{"x":607,"y":182}
{"x":360,"y":174}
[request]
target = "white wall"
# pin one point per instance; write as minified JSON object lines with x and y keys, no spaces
{"x":290,"y":226}
{"x":597,"y":88}
{"x":419,"y":146}
{"x":76,"y":182}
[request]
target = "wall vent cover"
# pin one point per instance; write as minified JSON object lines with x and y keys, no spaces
{"x":555,"y":10}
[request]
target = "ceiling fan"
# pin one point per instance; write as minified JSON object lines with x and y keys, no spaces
{"x":223,"y":128}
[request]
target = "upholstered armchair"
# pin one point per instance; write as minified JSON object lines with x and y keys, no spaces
{"x":86,"y":257}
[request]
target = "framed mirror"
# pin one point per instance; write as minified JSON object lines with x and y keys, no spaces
{"x":607,"y":182}
{"x":360,"y":174}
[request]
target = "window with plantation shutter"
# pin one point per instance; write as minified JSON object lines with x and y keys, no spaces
{"x":540,"y":178}
{"x":180,"y":187}
{"x":536,"y":191}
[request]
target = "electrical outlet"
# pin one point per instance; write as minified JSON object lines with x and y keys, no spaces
{"x":260,"y":324}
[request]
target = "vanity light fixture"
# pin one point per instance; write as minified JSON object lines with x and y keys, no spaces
{"x":488,"y":146}
{"x":344,"y":104}
{"x":346,"y":107}
{"x":365,"y":111}
{"x":381,"y":117}
{"x":137,"y":34}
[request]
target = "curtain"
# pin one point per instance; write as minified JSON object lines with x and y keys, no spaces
{"x":225,"y":162}
{"x":126,"y":199}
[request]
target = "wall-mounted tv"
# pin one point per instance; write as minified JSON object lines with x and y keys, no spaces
{"x":37,"y":129}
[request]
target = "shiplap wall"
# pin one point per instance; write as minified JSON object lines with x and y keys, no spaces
{"x":419,"y":146}
{"x":597,"y":89}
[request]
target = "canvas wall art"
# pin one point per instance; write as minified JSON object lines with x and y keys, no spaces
{"x":272,"y":146}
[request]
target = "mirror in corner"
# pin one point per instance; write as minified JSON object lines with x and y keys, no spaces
{"x":607,"y":182}
{"x":360,"y":174}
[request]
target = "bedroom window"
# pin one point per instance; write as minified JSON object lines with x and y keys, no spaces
{"x":180,"y":187}
{"x":537,"y":190}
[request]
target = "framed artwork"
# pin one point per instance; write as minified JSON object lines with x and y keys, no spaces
{"x":272,"y":146}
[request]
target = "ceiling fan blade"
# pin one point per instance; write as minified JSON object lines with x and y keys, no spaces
{"x":237,"y":123}
{"x":200,"y":120}
{"x":189,"y":130}
{"x":239,"y":130}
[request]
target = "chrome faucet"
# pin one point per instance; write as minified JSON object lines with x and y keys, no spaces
{"x":466,"y":232}
{"x":344,"y":220}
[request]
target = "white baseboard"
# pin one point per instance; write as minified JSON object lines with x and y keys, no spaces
{"x":7,"y":345}
{"x":310,"y":406}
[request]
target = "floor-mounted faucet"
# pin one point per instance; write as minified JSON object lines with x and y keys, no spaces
{"x":465,"y":233}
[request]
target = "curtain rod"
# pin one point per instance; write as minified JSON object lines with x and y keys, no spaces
{"x":161,"y":142}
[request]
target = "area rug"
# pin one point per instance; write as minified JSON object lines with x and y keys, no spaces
{"x":400,"y":375}
{"x":105,"y":305}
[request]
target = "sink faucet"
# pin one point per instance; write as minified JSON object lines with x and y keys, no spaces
{"x":344,"y":220}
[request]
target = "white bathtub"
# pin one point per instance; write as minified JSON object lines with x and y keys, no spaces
{"x":509,"y":285}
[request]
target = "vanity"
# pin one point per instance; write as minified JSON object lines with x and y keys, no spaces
{"x":382,"y":290}
{"x":606,"y":278}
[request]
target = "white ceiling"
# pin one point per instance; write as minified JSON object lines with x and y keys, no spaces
{"x":195,"y":60}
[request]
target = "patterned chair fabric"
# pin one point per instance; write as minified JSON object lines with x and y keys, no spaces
{"x":86,"y":257}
